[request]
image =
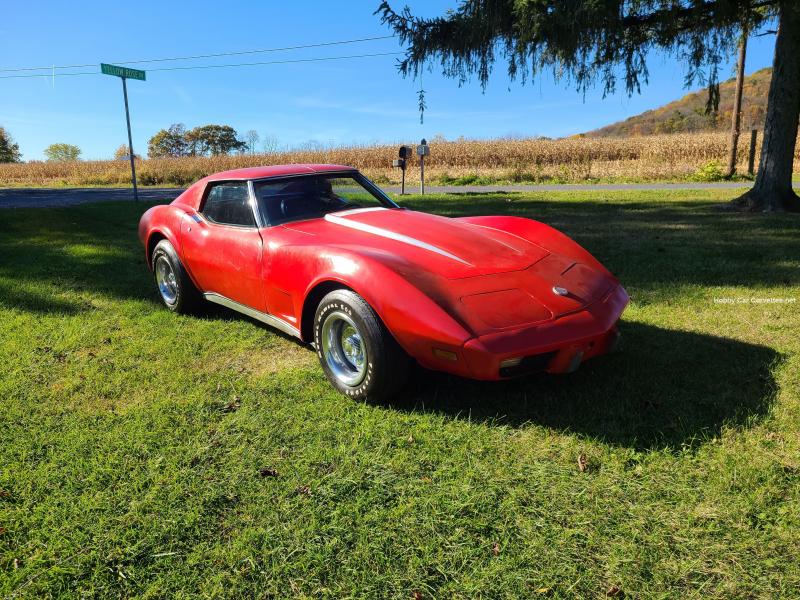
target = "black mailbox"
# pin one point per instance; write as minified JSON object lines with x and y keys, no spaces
{"x":404,"y":153}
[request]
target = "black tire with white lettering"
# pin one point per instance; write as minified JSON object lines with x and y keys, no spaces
{"x":360,"y":357}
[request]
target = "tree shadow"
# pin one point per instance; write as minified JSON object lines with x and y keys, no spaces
{"x":650,"y":246}
{"x":663,"y":389}
{"x":79,"y":251}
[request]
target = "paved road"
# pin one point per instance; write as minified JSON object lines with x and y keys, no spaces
{"x":46,"y":197}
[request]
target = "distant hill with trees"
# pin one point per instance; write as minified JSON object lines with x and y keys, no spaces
{"x":689,"y":113}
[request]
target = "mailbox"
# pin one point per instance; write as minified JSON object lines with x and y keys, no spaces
{"x":405,"y":154}
{"x":423,"y":149}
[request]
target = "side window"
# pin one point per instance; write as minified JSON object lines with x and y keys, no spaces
{"x":229,"y":204}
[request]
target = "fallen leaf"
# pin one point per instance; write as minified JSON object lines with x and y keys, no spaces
{"x":267,"y":472}
{"x":303,"y":490}
{"x":3,"y":530}
{"x":417,"y":595}
{"x":542,"y":590}
{"x":410,"y":438}
{"x":495,"y":548}
{"x":5,"y":494}
{"x":233,"y":405}
{"x":582,"y":462}
{"x":614,"y":590}
{"x":16,"y":563}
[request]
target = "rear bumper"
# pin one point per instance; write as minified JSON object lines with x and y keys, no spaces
{"x":558,"y":346}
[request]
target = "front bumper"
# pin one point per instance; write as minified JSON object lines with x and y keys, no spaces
{"x":558,"y":346}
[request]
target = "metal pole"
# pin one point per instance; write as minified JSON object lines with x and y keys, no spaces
{"x":403,"y":182}
{"x":751,"y":159}
{"x":130,"y":140}
{"x":422,"y":174}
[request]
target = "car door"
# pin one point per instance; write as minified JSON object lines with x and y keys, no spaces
{"x":223,"y":247}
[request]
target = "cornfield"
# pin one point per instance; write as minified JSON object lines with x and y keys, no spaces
{"x":569,"y":160}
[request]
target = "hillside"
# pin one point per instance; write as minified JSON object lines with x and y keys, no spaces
{"x":688,"y":113}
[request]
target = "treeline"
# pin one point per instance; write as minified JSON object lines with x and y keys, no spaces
{"x":175,"y":142}
{"x":206,"y":140}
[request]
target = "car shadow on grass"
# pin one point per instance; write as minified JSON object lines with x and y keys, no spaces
{"x":664,"y":389}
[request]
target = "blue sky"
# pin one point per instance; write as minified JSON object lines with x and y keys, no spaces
{"x":336,"y":102}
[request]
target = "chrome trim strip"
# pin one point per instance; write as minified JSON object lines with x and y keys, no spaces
{"x":253,"y":313}
{"x":398,"y":237}
{"x":251,"y":192}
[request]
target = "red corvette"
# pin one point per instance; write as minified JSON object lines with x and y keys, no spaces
{"x":322,"y":254}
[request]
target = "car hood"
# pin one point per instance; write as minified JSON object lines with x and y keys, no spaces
{"x":445,"y":247}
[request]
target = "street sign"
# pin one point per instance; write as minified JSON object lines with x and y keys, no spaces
{"x":118,"y":71}
{"x":124,"y":73}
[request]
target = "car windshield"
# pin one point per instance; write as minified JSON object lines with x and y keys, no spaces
{"x":286,"y":199}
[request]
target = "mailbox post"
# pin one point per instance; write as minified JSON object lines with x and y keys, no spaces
{"x":404,"y":154}
{"x":423,"y":150}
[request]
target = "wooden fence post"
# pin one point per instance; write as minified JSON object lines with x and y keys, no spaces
{"x":751,"y":159}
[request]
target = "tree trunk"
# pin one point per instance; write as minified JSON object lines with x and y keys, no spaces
{"x":773,"y":187}
{"x":736,"y":117}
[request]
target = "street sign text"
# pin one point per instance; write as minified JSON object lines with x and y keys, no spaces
{"x":118,"y":71}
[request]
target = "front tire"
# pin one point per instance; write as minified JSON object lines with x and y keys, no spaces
{"x":175,"y":288}
{"x":360,"y":357}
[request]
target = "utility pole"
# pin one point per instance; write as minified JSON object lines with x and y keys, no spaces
{"x":736,"y":117}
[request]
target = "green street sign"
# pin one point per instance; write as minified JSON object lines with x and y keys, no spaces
{"x":122,"y":72}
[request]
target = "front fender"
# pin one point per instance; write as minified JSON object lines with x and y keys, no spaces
{"x":414,"y":317}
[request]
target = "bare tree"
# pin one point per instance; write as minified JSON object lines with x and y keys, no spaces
{"x":271,"y":144}
{"x":251,"y":138}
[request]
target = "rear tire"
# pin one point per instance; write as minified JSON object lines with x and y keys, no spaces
{"x":360,"y":357}
{"x":175,"y":287}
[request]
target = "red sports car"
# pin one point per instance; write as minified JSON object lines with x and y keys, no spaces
{"x":321,"y":253}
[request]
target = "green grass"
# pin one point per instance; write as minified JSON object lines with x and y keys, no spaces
{"x":132,"y":439}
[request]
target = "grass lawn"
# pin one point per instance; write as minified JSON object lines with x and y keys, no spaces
{"x":146,"y":454}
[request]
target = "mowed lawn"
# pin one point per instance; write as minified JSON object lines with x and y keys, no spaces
{"x":144,"y":454}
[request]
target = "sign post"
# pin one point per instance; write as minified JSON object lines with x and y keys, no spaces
{"x":125,"y":73}
{"x":423,"y":150}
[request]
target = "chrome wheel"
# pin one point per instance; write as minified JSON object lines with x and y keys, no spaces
{"x":343,"y":349}
{"x":165,"y":278}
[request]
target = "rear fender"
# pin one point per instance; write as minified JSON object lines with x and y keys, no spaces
{"x":162,"y":221}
